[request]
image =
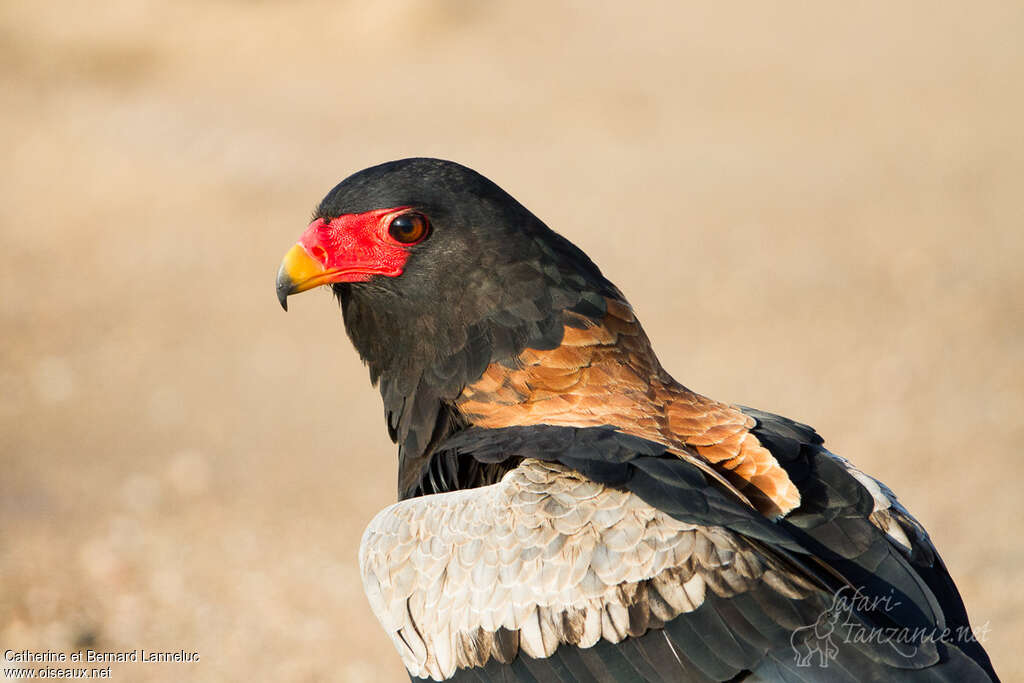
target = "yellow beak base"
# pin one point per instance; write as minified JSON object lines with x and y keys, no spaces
{"x":299,"y":271}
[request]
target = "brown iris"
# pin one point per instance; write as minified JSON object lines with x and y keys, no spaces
{"x":409,"y":228}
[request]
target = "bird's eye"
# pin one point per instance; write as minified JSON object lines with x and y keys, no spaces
{"x":409,"y":228}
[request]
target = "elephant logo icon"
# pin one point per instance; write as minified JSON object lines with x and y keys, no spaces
{"x":816,"y":638}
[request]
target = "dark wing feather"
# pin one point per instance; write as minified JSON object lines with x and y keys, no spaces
{"x":841,"y":521}
{"x":829,"y":542}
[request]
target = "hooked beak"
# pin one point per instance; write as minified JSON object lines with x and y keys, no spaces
{"x":299,"y":271}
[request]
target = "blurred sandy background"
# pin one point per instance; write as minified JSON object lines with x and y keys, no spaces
{"x":815,"y":210}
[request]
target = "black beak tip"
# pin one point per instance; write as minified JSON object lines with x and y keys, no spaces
{"x":284,"y":288}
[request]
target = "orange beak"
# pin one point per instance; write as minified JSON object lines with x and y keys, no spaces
{"x":299,"y":271}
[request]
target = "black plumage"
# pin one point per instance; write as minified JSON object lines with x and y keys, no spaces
{"x":491,"y":281}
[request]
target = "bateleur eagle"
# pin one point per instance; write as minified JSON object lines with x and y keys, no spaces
{"x":567,"y":510}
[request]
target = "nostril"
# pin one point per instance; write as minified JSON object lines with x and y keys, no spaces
{"x":319,"y":253}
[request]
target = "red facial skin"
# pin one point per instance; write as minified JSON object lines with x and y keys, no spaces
{"x":355,"y":246}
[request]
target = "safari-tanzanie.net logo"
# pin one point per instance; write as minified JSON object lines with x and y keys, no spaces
{"x":853,"y":618}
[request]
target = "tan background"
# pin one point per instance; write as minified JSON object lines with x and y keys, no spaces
{"x":815,"y":210}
